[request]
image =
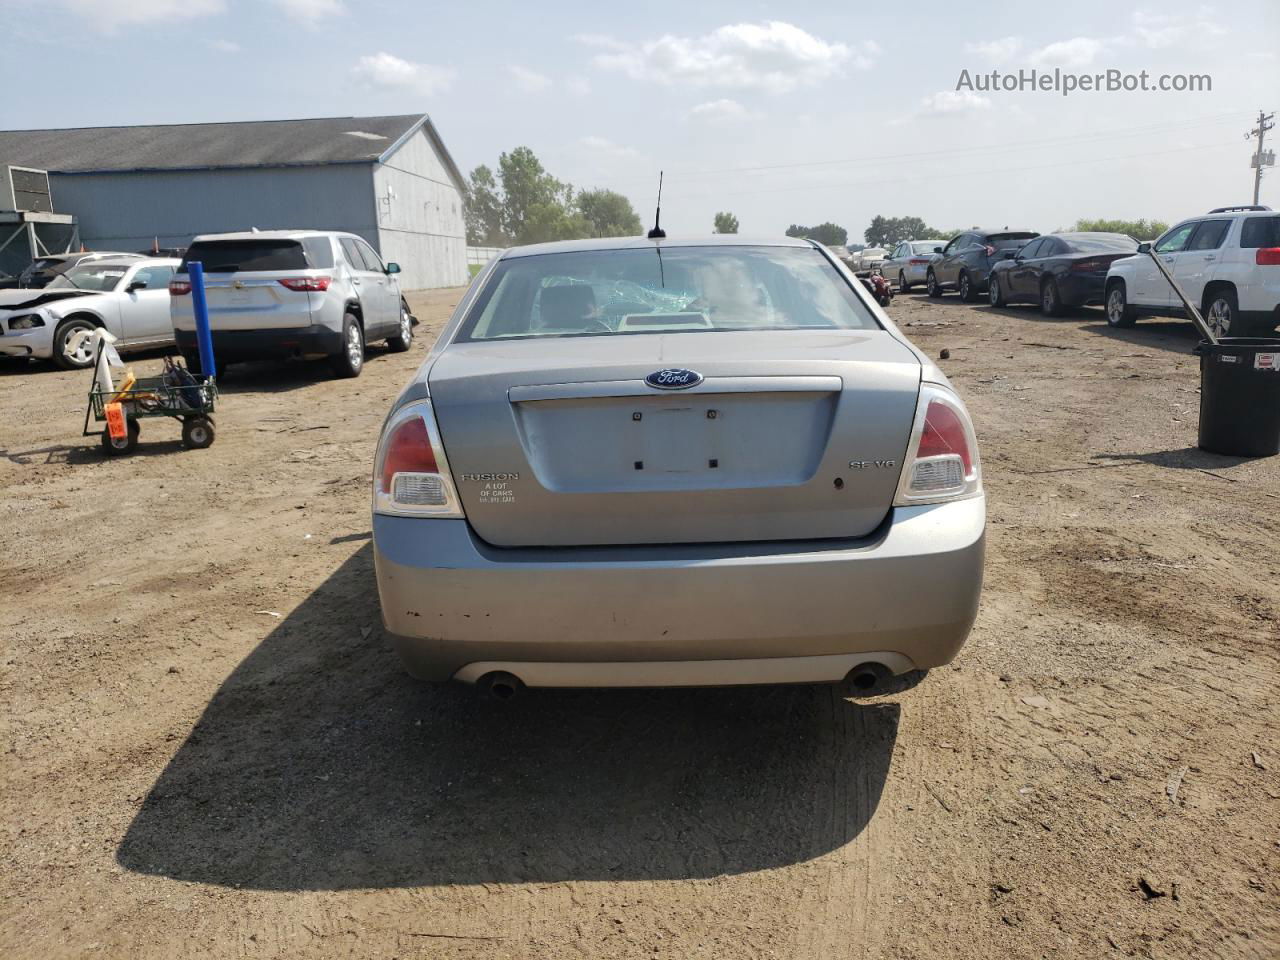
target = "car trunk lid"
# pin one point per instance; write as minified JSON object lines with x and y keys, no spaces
{"x":557,"y":442}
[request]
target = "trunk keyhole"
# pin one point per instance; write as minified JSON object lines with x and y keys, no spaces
{"x":839,"y":483}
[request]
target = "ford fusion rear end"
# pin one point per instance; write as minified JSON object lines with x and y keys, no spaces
{"x":627,"y":464}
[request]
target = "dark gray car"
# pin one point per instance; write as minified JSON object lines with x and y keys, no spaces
{"x":965,"y":263}
{"x":632,"y":462}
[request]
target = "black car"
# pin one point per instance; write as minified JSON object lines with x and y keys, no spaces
{"x":1058,"y":271}
{"x":966,"y":262}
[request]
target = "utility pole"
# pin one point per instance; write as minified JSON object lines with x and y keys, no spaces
{"x":1265,"y":122}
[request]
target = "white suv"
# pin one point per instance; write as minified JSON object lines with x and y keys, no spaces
{"x":291,"y":293}
{"x":1227,"y":262}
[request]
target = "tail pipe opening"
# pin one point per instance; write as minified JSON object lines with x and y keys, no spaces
{"x":500,"y":686}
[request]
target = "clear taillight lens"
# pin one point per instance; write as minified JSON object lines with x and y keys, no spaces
{"x":942,"y":455}
{"x":411,"y":475}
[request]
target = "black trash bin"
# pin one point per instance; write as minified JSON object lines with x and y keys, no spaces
{"x":1240,"y":396}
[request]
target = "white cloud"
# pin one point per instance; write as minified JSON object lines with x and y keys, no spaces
{"x":773,"y":56}
{"x":1157,"y":30}
{"x":608,"y":148}
{"x":720,"y":111}
{"x":110,"y":15}
{"x":530,"y":81}
{"x":1076,"y":52}
{"x":578,"y":86}
{"x":390,"y":72}
{"x":311,"y":11}
{"x":997,"y":51}
{"x":225,"y":46}
{"x":954,"y":101}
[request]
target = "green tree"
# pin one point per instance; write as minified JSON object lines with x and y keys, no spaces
{"x":527,"y":188}
{"x":1138,"y":229}
{"x":608,"y":214}
{"x":483,"y":209}
{"x":890,"y":231}
{"x":828,"y":234}
{"x":726,"y":222}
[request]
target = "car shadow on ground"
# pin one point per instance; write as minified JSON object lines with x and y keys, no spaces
{"x":281,"y":376}
{"x":1185,"y":458}
{"x":1175,"y":336}
{"x":319,"y":765}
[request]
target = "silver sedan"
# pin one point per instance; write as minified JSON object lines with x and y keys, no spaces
{"x":650,"y":463}
{"x":908,"y":263}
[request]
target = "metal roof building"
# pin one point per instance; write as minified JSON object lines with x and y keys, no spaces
{"x":389,"y":179}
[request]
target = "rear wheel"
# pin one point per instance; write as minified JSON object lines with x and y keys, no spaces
{"x":1119,"y":313}
{"x":966,"y":288}
{"x":1222,"y":314}
{"x":1050,"y":300}
{"x":994,"y":292}
{"x":931,"y":285}
{"x":903,"y":286}
{"x":71,"y":350}
{"x":350,"y":361}
{"x":197,"y":433}
{"x":119,"y":446}
{"x":404,"y":334}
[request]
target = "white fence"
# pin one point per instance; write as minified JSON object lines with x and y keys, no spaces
{"x":479,"y":256}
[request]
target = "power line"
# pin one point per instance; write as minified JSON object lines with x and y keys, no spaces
{"x":1132,"y":131}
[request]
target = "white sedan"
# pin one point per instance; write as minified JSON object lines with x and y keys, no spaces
{"x":128,"y":297}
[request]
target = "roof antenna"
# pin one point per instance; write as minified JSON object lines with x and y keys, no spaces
{"x":657,"y":233}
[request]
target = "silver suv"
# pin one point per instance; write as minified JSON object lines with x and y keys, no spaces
{"x":291,"y":293}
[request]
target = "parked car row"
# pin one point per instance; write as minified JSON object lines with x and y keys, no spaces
{"x":277,"y":294}
{"x":1224,"y":261}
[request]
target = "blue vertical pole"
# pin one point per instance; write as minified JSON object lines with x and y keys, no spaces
{"x":204,"y":337}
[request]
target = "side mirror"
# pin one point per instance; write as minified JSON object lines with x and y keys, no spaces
{"x":136,"y":285}
{"x":937,"y":249}
{"x":1010,"y":255}
{"x":1144,"y":248}
{"x":393,"y":267}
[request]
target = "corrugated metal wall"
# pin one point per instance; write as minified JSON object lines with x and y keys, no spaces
{"x":127,"y":211}
{"x":420,"y":218}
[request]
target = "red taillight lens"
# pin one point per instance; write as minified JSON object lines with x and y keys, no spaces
{"x":918,"y":261}
{"x":306,"y":284}
{"x":1088,"y":266}
{"x":944,"y":434}
{"x":408,"y":451}
{"x":1268,"y":256}
{"x":179,"y":288}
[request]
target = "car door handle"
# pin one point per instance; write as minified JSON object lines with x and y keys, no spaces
{"x":1167,"y":259}
{"x":355,"y":281}
{"x":1211,"y":256}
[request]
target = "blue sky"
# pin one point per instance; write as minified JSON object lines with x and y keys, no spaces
{"x":780,"y":113}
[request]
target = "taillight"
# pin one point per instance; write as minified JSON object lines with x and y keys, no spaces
{"x":1268,"y":256}
{"x":942,"y":456}
{"x":918,"y":261}
{"x":306,"y":284}
{"x":411,"y":476}
{"x":179,"y":288}
{"x":1089,"y":266}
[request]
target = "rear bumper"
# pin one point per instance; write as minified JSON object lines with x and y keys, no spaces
{"x":265,"y":344}
{"x":669,"y":615}
{"x":1082,"y":290}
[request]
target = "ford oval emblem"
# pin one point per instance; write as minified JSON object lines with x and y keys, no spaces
{"x":673,"y":378}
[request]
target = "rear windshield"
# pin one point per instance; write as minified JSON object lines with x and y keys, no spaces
{"x":89,"y":276}
{"x":927,"y":246}
{"x":1009,"y":241}
{"x":1260,"y":232}
{"x":672,"y":290}
{"x":233,"y":256}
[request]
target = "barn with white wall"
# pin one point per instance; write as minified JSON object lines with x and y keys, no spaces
{"x":388,"y":179}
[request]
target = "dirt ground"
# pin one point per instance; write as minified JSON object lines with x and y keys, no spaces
{"x":209,"y":751}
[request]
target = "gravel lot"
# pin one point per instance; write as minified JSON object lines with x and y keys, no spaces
{"x":209,"y":752}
